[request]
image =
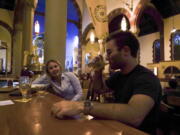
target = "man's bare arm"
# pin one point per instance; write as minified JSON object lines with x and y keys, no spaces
{"x":132,"y":113}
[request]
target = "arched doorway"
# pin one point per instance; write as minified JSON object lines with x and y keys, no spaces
{"x":90,"y":47}
{"x":5,"y":48}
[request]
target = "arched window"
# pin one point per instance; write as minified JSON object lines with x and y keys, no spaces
{"x":175,"y":45}
{"x":38,"y":37}
{"x":171,"y":71}
{"x":72,"y":41}
{"x":72,"y":38}
{"x":119,"y":22}
{"x":156,"y":51}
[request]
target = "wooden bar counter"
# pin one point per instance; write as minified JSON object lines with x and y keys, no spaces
{"x":34,"y":118}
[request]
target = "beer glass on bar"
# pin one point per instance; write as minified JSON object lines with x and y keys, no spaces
{"x":24,"y":87}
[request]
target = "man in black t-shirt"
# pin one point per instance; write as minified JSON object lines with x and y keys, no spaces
{"x":139,"y":81}
{"x":137,"y":91}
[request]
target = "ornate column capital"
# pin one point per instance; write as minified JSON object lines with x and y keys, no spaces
{"x":31,"y":3}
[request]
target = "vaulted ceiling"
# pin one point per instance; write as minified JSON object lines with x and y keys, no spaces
{"x":166,"y":8}
{"x":7,"y":4}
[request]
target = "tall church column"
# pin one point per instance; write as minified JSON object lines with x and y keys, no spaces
{"x":17,"y":38}
{"x":55,"y":30}
{"x":28,"y":19}
{"x":17,"y":49}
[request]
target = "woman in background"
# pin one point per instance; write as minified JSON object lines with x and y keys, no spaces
{"x":66,"y":85}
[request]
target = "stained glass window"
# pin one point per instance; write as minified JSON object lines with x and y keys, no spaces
{"x":72,"y":38}
{"x":176,"y":45}
{"x":176,"y":39}
{"x":156,"y":51}
{"x":38,"y":38}
{"x":120,"y":22}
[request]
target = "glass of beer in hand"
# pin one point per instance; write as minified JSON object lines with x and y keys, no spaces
{"x":24,"y":87}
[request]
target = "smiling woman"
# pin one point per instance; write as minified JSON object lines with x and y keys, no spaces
{"x":65,"y":85}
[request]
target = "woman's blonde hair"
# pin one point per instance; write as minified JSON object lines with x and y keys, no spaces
{"x":55,"y":61}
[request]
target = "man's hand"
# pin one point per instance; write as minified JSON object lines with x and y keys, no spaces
{"x":97,"y":63}
{"x":67,"y":108}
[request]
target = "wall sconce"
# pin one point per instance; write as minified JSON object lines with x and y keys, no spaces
{"x":173,"y":30}
{"x":155,"y":71}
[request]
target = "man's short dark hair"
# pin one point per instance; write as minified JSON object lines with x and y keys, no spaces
{"x":125,"y":38}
